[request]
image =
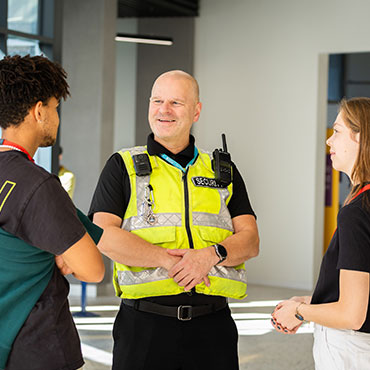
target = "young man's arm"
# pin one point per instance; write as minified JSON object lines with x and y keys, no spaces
{"x":83,"y":260}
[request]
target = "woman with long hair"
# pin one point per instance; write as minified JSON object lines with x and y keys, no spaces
{"x":340,"y":302}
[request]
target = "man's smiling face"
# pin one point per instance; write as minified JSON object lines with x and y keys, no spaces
{"x":173,"y":109}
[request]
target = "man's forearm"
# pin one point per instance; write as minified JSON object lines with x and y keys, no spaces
{"x":244,"y":243}
{"x":240,"y":248}
{"x":127,"y":248}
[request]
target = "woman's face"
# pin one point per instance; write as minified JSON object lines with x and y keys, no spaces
{"x":344,"y":146}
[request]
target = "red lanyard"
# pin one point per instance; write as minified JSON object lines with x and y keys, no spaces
{"x":366,"y":187}
{"x":8,"y":144}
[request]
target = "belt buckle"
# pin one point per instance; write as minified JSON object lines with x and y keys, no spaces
{"x":184,"y":313}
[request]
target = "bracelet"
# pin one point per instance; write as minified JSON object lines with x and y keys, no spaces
{"x":297,"y":314}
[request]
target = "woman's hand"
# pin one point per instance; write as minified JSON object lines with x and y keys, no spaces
{"x":283,"y":327}
{"x":278,"y":327}
{"x":284,"y":315}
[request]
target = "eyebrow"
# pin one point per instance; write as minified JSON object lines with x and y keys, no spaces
{"x":173,"y":99}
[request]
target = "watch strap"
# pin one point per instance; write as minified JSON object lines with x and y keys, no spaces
{"x":221,"y":252}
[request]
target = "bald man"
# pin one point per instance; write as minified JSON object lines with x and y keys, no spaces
{"x":186,"y":238}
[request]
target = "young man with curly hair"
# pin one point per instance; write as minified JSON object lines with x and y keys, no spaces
{"x":40,"y":229}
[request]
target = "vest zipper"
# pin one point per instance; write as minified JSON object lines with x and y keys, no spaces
{"x":187,"y":216}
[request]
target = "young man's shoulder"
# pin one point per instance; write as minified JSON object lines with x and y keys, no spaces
{"x":35,"y":207}
{"x":16,"y":168}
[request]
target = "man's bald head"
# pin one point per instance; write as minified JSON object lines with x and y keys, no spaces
{"x":174,"y":107}
{"x":180,"y":75}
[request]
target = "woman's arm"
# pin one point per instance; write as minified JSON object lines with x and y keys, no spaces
{"x":349,"y":312}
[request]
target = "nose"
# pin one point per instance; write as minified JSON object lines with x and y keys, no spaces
{"x":164,"y":107}
{"x":328,"y":141}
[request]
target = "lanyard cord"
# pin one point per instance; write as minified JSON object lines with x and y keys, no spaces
{"x":8,"y":144}
{"x":176,"y":164}
{"x":365,"y":188}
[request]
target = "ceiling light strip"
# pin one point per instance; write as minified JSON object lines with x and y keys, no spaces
{"x":143,"y":40}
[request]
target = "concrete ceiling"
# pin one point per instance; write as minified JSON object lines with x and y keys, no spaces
{"x":158,"y":8}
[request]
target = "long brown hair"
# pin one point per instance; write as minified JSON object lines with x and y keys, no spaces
{"x":356,"y":115}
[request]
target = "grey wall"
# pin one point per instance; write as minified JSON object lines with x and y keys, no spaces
{"x":152,"y":60}
{"x":125,"y":95}
{"x":263,"y":72}
{"x":87,"y":125}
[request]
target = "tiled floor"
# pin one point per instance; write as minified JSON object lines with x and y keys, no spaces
{"x":260,"y":348}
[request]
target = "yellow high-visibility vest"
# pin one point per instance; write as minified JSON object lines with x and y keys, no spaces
{"x":189,"y":210}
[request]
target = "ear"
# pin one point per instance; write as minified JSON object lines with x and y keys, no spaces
{"x":198,"y":108}
{"x":37,"y":111}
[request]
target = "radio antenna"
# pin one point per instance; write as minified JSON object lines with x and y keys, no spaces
{"x":224,"y":142}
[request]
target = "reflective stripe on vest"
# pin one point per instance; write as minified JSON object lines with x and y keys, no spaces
{"x":147,"y":276}
{"x":210,"y":223}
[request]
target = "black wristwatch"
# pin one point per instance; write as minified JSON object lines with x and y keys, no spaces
{"x":221,"y":252}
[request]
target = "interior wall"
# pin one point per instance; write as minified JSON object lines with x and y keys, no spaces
{"x":262,"y":68}
{"x":125,"y":96}
{"x":152,"y":60}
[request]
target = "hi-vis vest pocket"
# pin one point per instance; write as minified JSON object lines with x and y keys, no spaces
{"x":157,"y":235}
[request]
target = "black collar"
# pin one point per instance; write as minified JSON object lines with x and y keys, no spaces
{"x":183,"y":158}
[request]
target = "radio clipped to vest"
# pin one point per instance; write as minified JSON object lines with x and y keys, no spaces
{"x":142,"y":164}
{"x":222,"y":165}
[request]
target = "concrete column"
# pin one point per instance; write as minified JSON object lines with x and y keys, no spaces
{"x":87,"y":118}
{"x":152,"y":60}
{"x":125,"y":100}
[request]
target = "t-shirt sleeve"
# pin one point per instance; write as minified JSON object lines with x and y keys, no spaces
{"x":113,"y":191}
{"x":93,"y":230}
{"x":50,"y":220}
{"x":239,"y":203}
{"x":354,"y":239}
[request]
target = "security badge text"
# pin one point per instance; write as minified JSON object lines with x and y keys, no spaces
{"x":205,"y":182}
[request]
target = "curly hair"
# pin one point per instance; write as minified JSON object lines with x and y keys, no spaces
{"x":24,"y":81}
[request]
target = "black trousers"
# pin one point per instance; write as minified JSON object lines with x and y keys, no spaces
{"x":145,"y":341}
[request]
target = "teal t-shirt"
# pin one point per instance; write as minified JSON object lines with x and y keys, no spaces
{"x":24,"y":275}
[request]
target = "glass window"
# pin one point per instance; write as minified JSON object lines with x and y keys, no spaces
{"x":34,"y":19}
{"x":2,"y":45}
{"x":22,"y":46}
{"x":23,"y":15}
{"x":335,"y":85}
{"x":43,"y":158}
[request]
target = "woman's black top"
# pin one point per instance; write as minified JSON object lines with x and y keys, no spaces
{"x":349,"y":249}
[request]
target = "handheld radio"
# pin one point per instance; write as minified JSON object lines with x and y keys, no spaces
{"x":222,"y":165}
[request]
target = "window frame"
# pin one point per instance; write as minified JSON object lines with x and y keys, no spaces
{"x":49,"y":36}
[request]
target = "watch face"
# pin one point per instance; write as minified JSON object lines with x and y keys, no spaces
{"x":222,"y":251}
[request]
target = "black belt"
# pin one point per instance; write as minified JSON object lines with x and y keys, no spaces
{"x":183,"y":313}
